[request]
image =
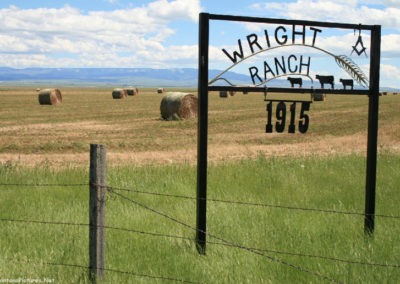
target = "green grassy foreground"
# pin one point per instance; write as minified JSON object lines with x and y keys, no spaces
{"x":322,"y":246}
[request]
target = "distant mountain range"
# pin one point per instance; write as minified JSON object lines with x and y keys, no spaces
{"x":140,"y":77}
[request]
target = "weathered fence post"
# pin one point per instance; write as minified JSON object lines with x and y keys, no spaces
{"x":97,"y":211}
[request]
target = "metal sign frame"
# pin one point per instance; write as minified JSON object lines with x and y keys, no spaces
{"x":203,"y":88}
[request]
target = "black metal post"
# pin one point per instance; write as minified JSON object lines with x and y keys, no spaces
{"x":202,"y":129}
{"x":373,"y":109}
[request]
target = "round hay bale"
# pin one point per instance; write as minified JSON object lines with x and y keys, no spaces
{"x":223,"y":94}
{"x":119,"y":93}
{"x":160,"y":90}
{"x":131,"y":91}
{"x":232,"y":93}
{"x":319,"y":96}
{"x":177,"y":105}
{"x":50,"y":97}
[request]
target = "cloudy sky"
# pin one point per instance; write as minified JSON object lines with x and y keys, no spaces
{"x":164,"y":33}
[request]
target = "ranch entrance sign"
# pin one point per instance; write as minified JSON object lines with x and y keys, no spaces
{"x":299,"y":70}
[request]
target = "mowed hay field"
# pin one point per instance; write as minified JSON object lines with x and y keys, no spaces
{"x":133,"y":131}
{"x":282,"y":208}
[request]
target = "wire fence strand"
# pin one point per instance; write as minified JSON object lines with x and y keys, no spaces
{"x":112,"y":270}
{"x":318,"y":256}
{"x":35,"y":185}
{"x":154,"y":234}
{"x":251,"y":203}
{"x":216,"y":200}
{"x":228,"y":242}
{"x":88,"y":225}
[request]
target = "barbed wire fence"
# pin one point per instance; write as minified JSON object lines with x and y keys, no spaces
{"x":159,"y":194}
{"x":219,"y":241}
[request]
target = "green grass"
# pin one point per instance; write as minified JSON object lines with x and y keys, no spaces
{"x":332,"y":183}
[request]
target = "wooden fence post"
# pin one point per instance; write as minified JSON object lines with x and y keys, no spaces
{"x":97,"y":211}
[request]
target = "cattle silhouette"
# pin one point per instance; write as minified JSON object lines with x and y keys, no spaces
{"x":297,"y":81}
{"x":325,"y":80}
{"x":347,"y":82}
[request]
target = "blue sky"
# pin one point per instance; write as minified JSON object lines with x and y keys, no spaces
{"x":164,"y":33}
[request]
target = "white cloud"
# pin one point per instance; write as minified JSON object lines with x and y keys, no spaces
{"x":178,"y":9}
{"x":390,"y":76}
{"x":390,"y":45}
{"x":68,"y":37}
{"x":370,"y":12}
{"x":390,"y":71}
{"x":347,"y":11}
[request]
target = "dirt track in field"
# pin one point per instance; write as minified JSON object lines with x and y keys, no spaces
{"x":216,"y":153}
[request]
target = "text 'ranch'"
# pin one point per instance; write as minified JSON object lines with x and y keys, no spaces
{"x":281,"y":36}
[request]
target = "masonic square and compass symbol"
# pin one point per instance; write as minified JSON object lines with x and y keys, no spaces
{"x":359,"y":47}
